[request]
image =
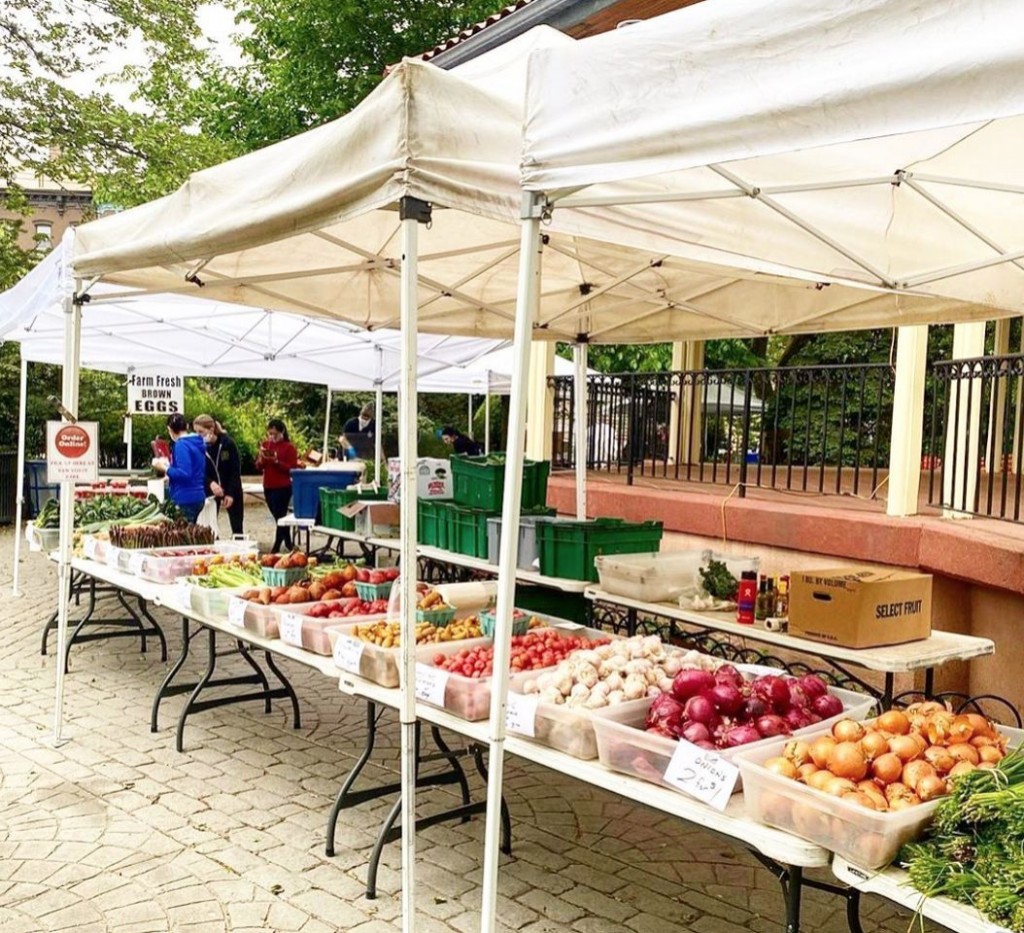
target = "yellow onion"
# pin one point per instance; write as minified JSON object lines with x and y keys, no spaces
{"x":931,"y":786}
{"x":848,"y":761}
{"x":805,"y":771}
{"x":960,"y":768}
{"x":781,"y":766}
{"x":964,"y":752}
{"x":797,"y":751}
{"x":916,"y":771}
{"x":939,"y":758}
{"x":887,"y":768}
{"x":990,"y":754}
{"x":819,"y":779}
{"x":874,"y":745}
{"x":905,"y":747}
{"x":894,"y":722}
{"x":847,"y":730}
{"x":821,"y":750}
{"x":861,"y":799}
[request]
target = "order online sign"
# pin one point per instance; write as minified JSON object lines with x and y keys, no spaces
{"x":72,"y":452}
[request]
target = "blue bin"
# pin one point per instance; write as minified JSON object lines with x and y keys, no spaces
{"x":37,"y":491}
{"x":306,"y":486}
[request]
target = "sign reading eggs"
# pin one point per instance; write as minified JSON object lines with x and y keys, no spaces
{"x":72,"y":452}
{"x":155,"y":393}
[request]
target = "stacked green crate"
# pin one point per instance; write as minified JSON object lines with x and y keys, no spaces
{"x":568,"y":549}
{"x":333,"y":499}
{"x":432,"y":522}
{"x":479,"y":482}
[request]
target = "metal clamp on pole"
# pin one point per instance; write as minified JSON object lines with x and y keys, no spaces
{"x":410,"y":208}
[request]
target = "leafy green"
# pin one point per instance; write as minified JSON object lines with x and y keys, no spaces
{"x":718,"y":581}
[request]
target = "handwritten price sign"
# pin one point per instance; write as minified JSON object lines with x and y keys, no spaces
{"x":702,"y":774}
{"x":521,"y":713}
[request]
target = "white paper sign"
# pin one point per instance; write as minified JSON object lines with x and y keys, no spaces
{"x":113,"y":556}
{"x":762,"y":670}
{"x":290,"y":628}
{"x":136,"y":564}
{"x":236,"y":610}
{"x":72,"y":452}
{"x":702,"y":774}
{"x":431,"y":683}
{"x":568,"y":626}
{"x":89,"y":547}
{"x":156,"y":393}
{"x":521,"y":713}
{"x":184,"y":594}
{"x":348,"y":653}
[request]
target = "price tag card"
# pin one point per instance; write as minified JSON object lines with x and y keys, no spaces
{"x":183,"y":593}
{"x":702,"y":774}
{"x":521,"y":713}
{"x":569,"y":626}
{"x":762,"y":670}
{"x":136,"y":564}
{"x":236,"y":611}
{"x":113,"y":556}
{"x":291,"y":628}
{"x":348,"y":653}
{"x":431,"y":683}
{"x":89,"y":547}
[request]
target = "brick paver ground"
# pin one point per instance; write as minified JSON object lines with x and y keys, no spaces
{"x":115,"y":832}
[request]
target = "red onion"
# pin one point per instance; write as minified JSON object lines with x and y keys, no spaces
{"x":689,"y":683}
{"x":701,"y":709}
{"x":773,"y":690}
{"x":828,"y":706}
{"x":770,"y":726}
{"x":753,"y":708}
{"x":708,"y":746}
{"x":798,"y":718}
{"x":741,"y":735}
{"x":665,"y":715}
{"x":727,"y":674}
{"x":798,"y":698}
{"x":696,"y":732}
{"x":727,"y":697}
{"x":813,"y":686}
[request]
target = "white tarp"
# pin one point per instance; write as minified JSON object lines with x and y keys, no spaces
{"x":197,"y":337}
{"x":308,"y":225}
{"x":861,"y":140}
{"x":490,"y":374}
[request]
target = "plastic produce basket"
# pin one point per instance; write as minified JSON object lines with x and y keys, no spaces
{"x":527,"y":556}
{"x":332,"y":499}
{"x":568,"y":549}
{"x":624,"y":746}
{"x":371,"y":591}
{"x":274,"y":577}
{"x":432,"y":522}
{"x":520,"y":622}
{"x":439,"y":617}
{"x":652,"y":578}
{"x":869,"y":839}
{"x":467,"y":531}
{"x":480,"y":482}
{"x":306,"y":486}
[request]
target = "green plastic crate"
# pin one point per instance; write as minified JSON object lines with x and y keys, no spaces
{"x":432,"y":522}
{"x":479,"y":482}
{"x":467,"y":531}
{"x":573,"y":607}
{"x":333,"y":499}
{"x":568,"y":549}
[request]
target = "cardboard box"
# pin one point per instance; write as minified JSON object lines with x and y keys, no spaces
{"x":374,"y":518}
{"x":861,"y":608}
{"x":433,"y":478}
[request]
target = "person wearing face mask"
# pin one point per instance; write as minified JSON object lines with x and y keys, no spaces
{"x":223,"y":469}
{"x":276,"y":461}
{"x":186,"y":470}
{"x":358,"y":434}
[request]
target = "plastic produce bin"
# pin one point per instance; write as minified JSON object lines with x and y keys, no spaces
{"x":870,"y":839}
{"x":656,"y":577}
{"x":528,"y":556}
{"x":43,"y":539}
{"x":296,"y":628}
{"x":520,"y":622}
{"x":568,"y":549}
{"x":274,"y":577}
{"x":480,"y":482}
{"x":265,"y":620}
{"x":470,"y":697}
{"x":432,"y":522}
{"x":371,"y":591}
{"x":306,"y":486}
{"x":437,"y":617}
{"x":332,"y":499}
{"x":624,"y":746}
{"x":467,"y":531}
{"x":212,"y":602}
{"x":165,"y":565}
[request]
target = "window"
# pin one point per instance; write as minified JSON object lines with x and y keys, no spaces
{"x":44,"y":235}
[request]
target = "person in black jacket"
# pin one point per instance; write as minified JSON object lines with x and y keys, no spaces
{"x":461,"y":443}
{"x":223,"y":470}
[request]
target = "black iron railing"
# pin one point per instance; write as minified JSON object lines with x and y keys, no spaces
{"x":818,"y":429}
{"x":974,"y":442}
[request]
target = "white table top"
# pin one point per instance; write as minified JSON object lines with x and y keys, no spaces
{"x":893,"y":885}
{"x":290,"y":521}
{"x":391,"y":544}
{"x":912,"y":656}
{"x":151,"y":592}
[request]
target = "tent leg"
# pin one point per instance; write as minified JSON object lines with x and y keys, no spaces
{"x":487,"y":423}
{"x":129,"y":439}
{"x":527,"y":300}
{"x":72,"y":363}
{"x":378,"y":436}
{"x":581,"y":421}
{"x":19,"y":506}
{"x":907,"y":427}
{"x":469,"y":415}
{"x":412,"y":212}
{"x":327,"y":423}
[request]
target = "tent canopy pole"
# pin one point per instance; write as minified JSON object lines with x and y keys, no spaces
{"x":581,"y":421}
{"x":527,"y":302}
{"x":19,"y":506}
{"x":327,"y":423}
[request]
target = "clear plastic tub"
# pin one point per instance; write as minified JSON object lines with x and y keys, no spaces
{"x":624,"y":746}
{"x":296,"y":628}
{"x":468,"y":698}
{"x":265,"y":620}
{"x":212,"y":602}
{"x":165,"y":565}
{"x":649,"y":578}
{"x":868,"y":838}
{"x":42,"y":539}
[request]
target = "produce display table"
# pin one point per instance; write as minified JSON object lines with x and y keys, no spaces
{"x":302,"y":526}
{"x":925,"y":655}
{"x":96,"y":587}
{"x":483,"y":566}
{"x":893,"y":885}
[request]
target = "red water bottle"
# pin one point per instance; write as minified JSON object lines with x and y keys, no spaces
{"x":746,"y":598}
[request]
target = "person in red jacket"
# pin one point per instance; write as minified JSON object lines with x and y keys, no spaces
{"x":278,"y":457}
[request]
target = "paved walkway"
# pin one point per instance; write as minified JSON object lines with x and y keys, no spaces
{"x":115,"y":832}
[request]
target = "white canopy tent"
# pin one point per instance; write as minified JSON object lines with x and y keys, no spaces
{"x":197,"y":337}
{"x":309,"y":226}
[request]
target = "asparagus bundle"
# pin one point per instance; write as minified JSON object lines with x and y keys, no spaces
{"x":168,"y":534}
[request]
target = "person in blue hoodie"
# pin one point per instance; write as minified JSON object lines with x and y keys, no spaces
{"x":187,"y":471}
